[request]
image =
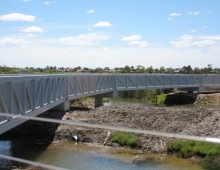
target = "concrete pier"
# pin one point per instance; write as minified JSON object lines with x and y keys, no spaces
{"x":98,"y":100}
{"x":65,"y":106}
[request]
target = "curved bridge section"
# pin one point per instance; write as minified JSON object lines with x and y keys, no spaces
{"x":36,"y":94}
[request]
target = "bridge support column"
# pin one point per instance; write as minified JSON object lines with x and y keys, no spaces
{"x":114,"y":94}
{"x":65,"y":106}
{"x":98,"y":100}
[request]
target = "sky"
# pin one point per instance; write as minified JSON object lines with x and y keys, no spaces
{"x":112,"y":33}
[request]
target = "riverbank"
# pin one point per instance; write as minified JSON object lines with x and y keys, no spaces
{"x":191,"y":121}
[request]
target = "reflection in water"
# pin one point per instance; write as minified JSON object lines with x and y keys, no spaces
{"x":5,"y":148}
{"x":81,"y":156}
{"x":120,"y":101}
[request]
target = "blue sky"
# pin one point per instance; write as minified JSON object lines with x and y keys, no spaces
{"x":97,"y":33}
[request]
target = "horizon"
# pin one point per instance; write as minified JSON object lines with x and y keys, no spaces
{"x":38,"y":33}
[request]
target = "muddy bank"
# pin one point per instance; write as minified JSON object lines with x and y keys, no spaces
{"x":208,"y":99}
{"x":192,"y":121}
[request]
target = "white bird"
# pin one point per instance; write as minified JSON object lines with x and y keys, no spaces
{"x":75,"y":137}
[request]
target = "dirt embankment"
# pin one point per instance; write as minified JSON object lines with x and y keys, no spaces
{"x":208,"y":99}
{"x":192,"y":121}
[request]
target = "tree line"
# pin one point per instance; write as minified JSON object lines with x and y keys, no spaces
{"x":117,"y":70}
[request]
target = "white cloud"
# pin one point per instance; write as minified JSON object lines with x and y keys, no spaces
{"x":215,"y":38}
{"x":142,"y":44}
{"x":15,"y":41}
{"x":49,"y":2}
{"x":135,"y":40}
{"x":194,"y":13}
{"x":193,"y":31}
{"x":175,"y":14}
{"x":17,"y":17}
{"x":33,"y":29}
{"x":132,"y":38}
{"x":199,"y":41}
{"x":84,"y":39}
{"x":90,"y":11}
{"x":26,"y":0}
{"x":102,"y":24}
{"x":31,"y":35}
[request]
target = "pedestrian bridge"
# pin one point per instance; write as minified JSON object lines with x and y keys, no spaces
{"x":34,"y":94}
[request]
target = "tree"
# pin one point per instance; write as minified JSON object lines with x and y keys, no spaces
{"x":140,"y":69}
{"x":149,"y":70}
{"x":186,"y":70}
{"x":126,"y":69}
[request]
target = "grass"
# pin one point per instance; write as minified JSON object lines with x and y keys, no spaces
{"x":191,"y":148}
{"x":209,"y":152}
{"x":125,"y":139}
{"x":209,"y":162}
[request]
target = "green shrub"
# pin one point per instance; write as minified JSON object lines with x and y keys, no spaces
{"x":125,"y":139}
{"x":161,"y":98}
{"x":209,"y":163}
{"x":188,"y":148}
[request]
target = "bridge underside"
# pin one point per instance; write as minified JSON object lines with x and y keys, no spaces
{"x":33,"y":95}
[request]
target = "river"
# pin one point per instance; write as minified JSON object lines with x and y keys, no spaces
{"x":92,"y":157}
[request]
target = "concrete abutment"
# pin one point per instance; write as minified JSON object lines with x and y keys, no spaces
{"x":65,"y":106}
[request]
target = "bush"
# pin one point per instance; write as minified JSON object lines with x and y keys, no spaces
{"x":209,"y":163}
{"x":125,"y":139}
{"x":161,"y":98}
{"x":190,"y":148}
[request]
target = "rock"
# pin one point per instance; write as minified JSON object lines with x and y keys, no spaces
{"x":140,"y":159}
{"x":115,"y":145}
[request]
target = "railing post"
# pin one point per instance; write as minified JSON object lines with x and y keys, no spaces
{"x":24,"y":97}
{"x":163,"y":81}
{"x":115,"y":93}
{"x":11,"y":99}
{"x":42,"y":92}
{"x":171,"y":80}
{"x":136,"y":82}
{"x":35,"y":96}
{"x":66,"y":92}
{"x":213,"y":79}
{"x":126,"y":82}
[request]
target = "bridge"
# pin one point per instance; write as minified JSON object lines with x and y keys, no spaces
{"x":34,"y":94}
